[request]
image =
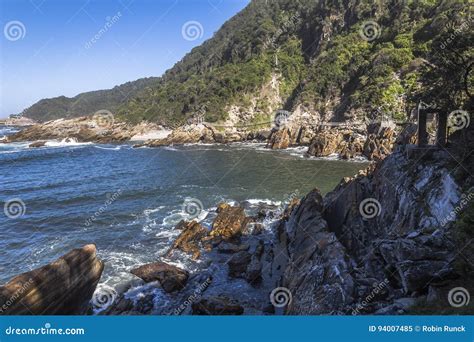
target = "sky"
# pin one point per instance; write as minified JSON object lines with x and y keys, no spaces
{"x":50,"y":48}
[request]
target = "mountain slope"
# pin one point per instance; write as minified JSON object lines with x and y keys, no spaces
{"x":333,"y":60}
{"x":325,"y":60}
{"x":85,"y":103}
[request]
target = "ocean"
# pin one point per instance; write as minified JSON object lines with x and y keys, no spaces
{"x":128,"y":200}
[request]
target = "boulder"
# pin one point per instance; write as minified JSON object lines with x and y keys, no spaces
{"x":217,"y":306}
{"x":171,"y":278}
{"x":63,"y":287}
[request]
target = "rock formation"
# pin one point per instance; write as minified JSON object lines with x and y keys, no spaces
{"x":171,"y":278}
{"x":63,"y":287}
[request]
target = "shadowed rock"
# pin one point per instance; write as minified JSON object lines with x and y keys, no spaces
{"x":171,"y":278}
{"x":63,"y":287}
{"x":217,"y":306}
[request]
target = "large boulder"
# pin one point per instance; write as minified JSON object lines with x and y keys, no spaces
{"x":171,"y":278}
{"x":63,"y":287}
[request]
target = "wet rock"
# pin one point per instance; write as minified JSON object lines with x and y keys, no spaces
{"x":63,"y":287}
{"x":230,"y":222}
{"x":171,"y":278}
{"x":37,"y":144}
{"x":217,"y":306}
{"x":190,"y":238}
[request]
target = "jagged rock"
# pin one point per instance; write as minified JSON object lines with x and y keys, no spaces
{"x":171,"y":278}
{"x":379,"y":143}
{"x":325,"y":144}
{"x":279,"y":139}
{"x":63,"y":287}
{"x":230,"y":222}
{"x":217,"y":306}
{"x":190,"y":238}
{"x":318,"y":273}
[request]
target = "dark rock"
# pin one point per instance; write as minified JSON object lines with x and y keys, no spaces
{"x":37,"y":144}
{"x":171,"y":278}
{"x":217,"y":306}
{"x":238,"y":264}
{"x":226,"y":247}
{"x":63,"y":287}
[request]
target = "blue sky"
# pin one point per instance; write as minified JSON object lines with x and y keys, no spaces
{"x":48,"y":47}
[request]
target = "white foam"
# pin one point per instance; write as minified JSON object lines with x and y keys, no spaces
{"x":65,"y":142}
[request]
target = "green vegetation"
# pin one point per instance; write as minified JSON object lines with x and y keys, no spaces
{"x":316,"y":51}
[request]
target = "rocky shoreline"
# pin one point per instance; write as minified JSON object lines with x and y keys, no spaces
{"x":334,"y":255}
{"x":373,"y":141}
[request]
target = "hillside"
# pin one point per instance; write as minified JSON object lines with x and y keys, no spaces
{"x":85,"y":103}
{"x":325,"y":60}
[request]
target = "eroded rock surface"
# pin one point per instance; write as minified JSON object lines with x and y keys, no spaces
{"x":63,"y":287}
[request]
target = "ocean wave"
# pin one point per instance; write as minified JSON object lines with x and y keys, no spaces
{"x":65,"y":143}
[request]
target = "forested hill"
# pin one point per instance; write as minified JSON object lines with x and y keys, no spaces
{"x":333,"y":60}
{"x":86,"y":103}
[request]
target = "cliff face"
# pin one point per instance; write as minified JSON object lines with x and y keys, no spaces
{"x":377,"y":242}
